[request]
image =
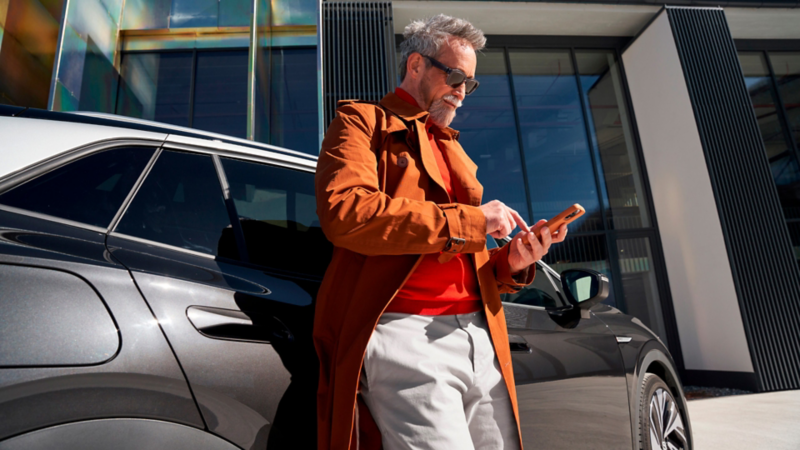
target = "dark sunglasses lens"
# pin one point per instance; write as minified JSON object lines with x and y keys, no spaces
{"x":455,"y":78}
{"x":471,"y":86}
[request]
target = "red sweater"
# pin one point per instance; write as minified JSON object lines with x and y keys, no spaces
{"x":438,"y":289}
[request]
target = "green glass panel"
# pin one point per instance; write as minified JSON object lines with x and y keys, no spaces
{"x":194,"y":13}
{"x":639,"y":284}
{"x":146,"y":14}
{"x":73,"y":53}
{"x":235,"y":13}
{"x":294,"y":12}
{"x":612,"y":139}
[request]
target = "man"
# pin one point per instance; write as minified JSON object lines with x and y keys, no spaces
{"x":409,"y":325}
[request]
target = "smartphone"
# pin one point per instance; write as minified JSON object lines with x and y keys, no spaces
{"x":567,"y":216}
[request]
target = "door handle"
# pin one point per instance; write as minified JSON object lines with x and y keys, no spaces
{"x":518,"y":344}
{"x":229,"y":324}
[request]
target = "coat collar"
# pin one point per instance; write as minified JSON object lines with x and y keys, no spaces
{"x":408,"y":113}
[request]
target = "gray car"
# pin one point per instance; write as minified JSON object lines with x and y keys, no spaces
{"x":157,"y":290}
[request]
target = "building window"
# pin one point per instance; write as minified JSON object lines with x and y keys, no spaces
{"x":773,"y":81}
{"x":550,"y":127}
{"x":207,"y":90}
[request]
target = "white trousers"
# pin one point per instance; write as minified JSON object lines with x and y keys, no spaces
{"x":433,"y":382}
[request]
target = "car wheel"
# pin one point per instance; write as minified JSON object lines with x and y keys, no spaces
{"x":661,"y":424}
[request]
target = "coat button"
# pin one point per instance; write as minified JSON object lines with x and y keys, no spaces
{"x":402,"y":162}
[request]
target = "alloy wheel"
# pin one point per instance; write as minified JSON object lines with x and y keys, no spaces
{"x":666,"y":425}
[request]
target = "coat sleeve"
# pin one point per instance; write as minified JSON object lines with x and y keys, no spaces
{"x":507,"y":283}
{"x":356,"y":215}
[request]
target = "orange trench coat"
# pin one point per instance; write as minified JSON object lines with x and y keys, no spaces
{"x":382,"y":203}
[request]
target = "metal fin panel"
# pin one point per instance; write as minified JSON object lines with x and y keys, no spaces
{"x":358,"y":54}
{"x":765,"y":272}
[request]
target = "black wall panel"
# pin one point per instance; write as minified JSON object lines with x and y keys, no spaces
{"x":766,"y":276}
{"x":358,"y":52}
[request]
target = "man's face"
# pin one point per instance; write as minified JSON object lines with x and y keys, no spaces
{"x":443,"y":100}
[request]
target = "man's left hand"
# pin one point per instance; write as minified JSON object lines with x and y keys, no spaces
{"x":526,"y":248}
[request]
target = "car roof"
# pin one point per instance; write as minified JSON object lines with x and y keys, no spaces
{"x":43,"y":134}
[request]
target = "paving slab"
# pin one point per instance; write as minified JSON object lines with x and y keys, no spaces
{"x":769,"y":421}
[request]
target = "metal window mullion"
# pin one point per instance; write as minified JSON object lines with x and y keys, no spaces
{"x":192,"y":82}
{"x":584,"y":113}
{"x":233,"y":215}
{"x":129,"y":198}
{"x":518,"y":124}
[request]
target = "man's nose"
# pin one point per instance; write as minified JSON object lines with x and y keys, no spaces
{"x":460,"y":91}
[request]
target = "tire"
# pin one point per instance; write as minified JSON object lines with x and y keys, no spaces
{"x":661,"y":423}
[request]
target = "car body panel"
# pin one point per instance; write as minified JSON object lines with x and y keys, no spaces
{"x":571,"y":385}
{"x":117,"y":434}
{"x":241,"y":384}
{"x":142,"y":380}
{"x":30,"y":141}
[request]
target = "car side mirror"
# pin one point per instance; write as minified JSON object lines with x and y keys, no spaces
{"x":584,"y":288}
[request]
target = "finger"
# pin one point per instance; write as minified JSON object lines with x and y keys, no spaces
{"x":510,"y":218}
{"x":547,"y":239}
{"x":536,"y":247}
{"x":525,"y":253}
{"x":562,"y":233}
{"x":538,"y":225}
{"x":519,"y":220}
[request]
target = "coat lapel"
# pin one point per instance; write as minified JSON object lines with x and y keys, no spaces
{"x":462,"y":170}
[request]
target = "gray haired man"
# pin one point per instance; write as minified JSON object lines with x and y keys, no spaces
{"x":410,"y":308}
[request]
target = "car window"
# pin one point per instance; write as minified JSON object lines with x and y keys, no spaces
{"x":541,"y":292}
{"x":89,"y":190}
{"x":277,"y":210}
{"x":180,"y":203}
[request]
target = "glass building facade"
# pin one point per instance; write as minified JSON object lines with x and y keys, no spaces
{"x":550,"y":127}
{"x":551,"y":124}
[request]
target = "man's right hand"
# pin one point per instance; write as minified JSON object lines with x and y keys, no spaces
{"x":501,"y":220}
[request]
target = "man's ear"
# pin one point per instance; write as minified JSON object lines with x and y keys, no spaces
{"x":415,"y":65}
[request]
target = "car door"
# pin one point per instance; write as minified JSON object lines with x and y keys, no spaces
{"x":229,"y":255}
{"x":568,"y":370}
{"x":77,"y":341}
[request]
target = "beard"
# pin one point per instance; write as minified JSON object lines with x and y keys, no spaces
{"x":442,"y":114}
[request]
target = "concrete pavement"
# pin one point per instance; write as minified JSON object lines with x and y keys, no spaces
{"x":768,"y":421}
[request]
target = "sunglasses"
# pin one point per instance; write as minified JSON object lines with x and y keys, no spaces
{"x":456,"y":77}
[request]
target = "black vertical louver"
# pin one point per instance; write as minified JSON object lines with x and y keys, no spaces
{"x":358,"y":52}
{"x":765,"y":272}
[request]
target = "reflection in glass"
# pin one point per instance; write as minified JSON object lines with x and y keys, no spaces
{"x":582,"y":252}
{"x":155,"y":86}
{"x":786,"y":67}
{"x":557,"y":158}
{"x":276,"y":208}
{"x":639,"y":285}
{"x":220,"y":102}
{"x":193,"y":13}
{"x":180,"y":203}
{"x":89,"y":190}
{"x":293,"y":121}
{"x":489,"y":134}
{"x":612,"y":138}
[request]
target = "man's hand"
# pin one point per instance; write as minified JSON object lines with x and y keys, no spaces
{"x":501,"y":220}
{"x":525,"y":249}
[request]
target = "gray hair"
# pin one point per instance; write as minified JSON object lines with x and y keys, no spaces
{"x":427,"y":36}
